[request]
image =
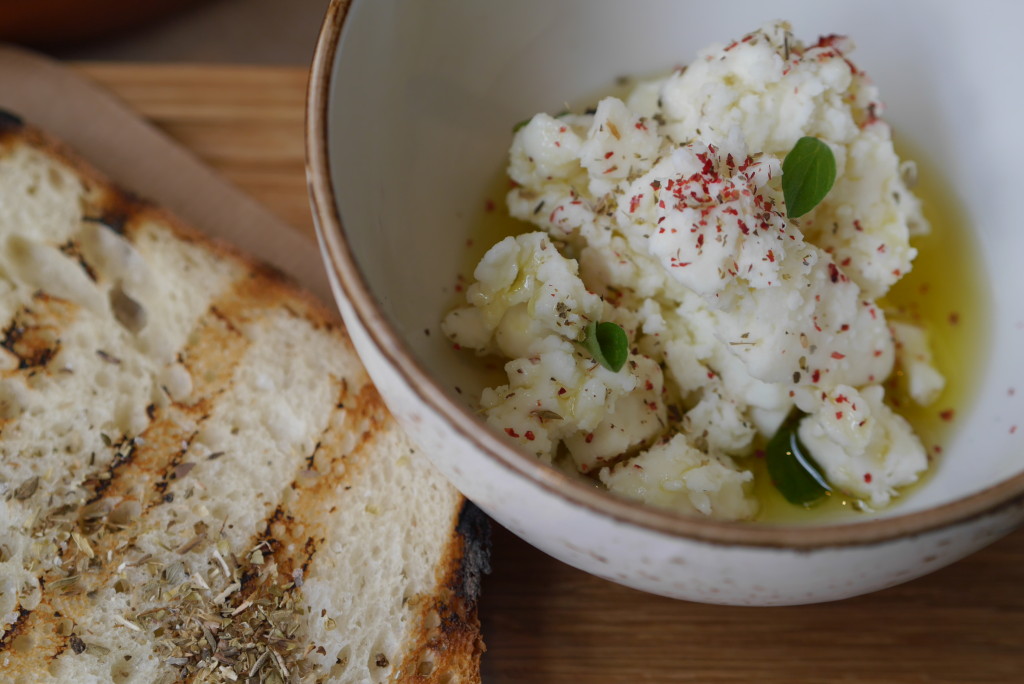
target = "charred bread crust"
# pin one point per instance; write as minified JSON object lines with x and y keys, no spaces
{"x":449,"y":641}
{"x":475,"y":529}
{"x":9,"y":121}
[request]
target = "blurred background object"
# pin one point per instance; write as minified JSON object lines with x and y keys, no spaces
{"x":226,"y":31}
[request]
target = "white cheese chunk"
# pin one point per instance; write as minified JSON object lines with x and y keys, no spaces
{"x":556,"y":392}
{"x":619,"y":144}
{"x":524,"y":290}
{"x":775,"y":90}
{"x":674,"y":475}
{"x":919,"y":378}
{"x":638,"y":417}
{"x":865,"y":448}
{"x":718,"y":424}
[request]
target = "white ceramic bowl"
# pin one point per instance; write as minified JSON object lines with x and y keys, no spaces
{"x":409,"y":113}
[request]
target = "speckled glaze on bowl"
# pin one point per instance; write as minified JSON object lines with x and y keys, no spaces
{"x":407,"y":125}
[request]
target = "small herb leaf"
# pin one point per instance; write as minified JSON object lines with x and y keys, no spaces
{"x":792,"y":469}
{"x":808,"y":172}
{"x":608,"y":344}
{"x":520,"y":124}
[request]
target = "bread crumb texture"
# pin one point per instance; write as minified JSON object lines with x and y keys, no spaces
{"x":197,"y":480}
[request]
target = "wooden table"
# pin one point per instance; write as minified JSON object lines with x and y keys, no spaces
{"x":546,"y":622}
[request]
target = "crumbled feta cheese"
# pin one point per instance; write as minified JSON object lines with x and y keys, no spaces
{"x":864,"y":447}
{"x":620,"y":143}
{"x":555,"y":392}
{"x":615,"y":268}
{"x":717,"y":424}
{"x":674,"y":475}
{"x":672,"y":202}
{"x":920,"y":378}
{"x":524,"y":291}
{"x":775,"y":90}
{"x":545,"y":148}
{"x":719,"y":234}
{"x":636,"y":418}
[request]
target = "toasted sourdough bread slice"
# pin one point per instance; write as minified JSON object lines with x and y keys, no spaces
{"x":197,"y":480}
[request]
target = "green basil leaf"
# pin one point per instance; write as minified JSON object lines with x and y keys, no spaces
{"x":792,"y":469}
{"x":808,"y":172}
{"x":608,"y":344}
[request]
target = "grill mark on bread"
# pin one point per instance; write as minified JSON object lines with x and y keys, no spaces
{"x":99,"y":482}
{"x":74,"y":251}
{"x":211,"y":359}
{"x":167,"y":471}
{"x":311,"y":459}
{"x":214,"y":311}
{"x":33,"y":335}
{"x":15,"y":630}
{"x":301,"y":524}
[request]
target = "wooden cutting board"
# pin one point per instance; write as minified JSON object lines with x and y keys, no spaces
{"x":546,"y":622}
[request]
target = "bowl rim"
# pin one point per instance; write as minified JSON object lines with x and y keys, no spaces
{"x":339,"y":258}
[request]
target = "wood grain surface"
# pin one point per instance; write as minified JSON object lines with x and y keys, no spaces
{"x":546,"y":622}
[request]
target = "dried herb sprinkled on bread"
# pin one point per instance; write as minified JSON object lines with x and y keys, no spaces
{"x":197,"y":479}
